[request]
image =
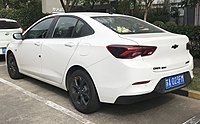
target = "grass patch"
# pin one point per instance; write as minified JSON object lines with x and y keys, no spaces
{"x":195,"y":85}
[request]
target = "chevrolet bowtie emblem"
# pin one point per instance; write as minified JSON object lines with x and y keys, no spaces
{"x":175,"y":46}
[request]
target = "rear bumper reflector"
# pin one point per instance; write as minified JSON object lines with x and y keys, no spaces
{"x":142,"y":82}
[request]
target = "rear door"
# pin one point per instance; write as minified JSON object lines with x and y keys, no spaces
{"x":58,"y":49}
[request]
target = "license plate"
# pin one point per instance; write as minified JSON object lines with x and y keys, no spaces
{"x":174,"y":81}
{"x":4,"y":50}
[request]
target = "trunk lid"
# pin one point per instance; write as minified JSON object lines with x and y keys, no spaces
{"x":171,"y":52}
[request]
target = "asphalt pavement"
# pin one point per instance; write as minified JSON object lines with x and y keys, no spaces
{"x":29,"y":101}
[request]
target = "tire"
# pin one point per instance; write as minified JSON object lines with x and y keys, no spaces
{"x":12,"y":67}
{"x":82,"y":92}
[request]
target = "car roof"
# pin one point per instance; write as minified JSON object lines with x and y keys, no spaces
{"x":89,"y":14}
{"x":7,"y":20}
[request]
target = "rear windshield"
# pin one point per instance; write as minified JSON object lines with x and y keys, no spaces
{"x":9,"y":25}
{"x":127,"y":25}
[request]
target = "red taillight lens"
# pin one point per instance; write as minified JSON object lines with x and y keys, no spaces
{"x":188,"y":46}
{"x":129,"y":51}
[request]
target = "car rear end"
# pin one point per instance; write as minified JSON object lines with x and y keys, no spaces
{"x":167,"y":68}
{"x":7,"y":29}
{"x":141,"y":64}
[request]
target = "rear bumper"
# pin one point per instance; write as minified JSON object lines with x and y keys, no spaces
{"x":118,"y":78}
{"x":159,"y":90}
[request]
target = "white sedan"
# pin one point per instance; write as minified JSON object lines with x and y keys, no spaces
{"x":101,"y":57}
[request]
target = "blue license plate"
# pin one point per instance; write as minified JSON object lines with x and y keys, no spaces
{"x":174,"y":81}
{"x":4,"y":50}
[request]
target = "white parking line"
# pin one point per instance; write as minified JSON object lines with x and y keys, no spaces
{"x":3,"y":65}
{"x":48,"y":103}
{"x":193,"y":120}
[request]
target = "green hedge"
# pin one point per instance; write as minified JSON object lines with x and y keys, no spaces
{"x":193,"y":33}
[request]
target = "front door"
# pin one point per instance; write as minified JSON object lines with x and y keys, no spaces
{"x":29,"y":50}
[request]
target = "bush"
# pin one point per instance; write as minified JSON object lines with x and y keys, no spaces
{"x":170,"y":25}
{"x":159,"y":24}
{"x":193,"y":33}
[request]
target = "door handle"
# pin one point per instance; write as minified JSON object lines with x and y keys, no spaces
{"x":37,"y":44}
{"x":7,"y":33}
{"x":70,"y":44}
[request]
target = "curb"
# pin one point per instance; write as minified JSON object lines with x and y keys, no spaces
{"x":188,"y":93}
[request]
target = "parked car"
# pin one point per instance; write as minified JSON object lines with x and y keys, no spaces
{"x":7,"y":28}
{"x":101,"y":57}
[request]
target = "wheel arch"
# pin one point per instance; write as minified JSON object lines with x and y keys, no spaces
{"x":74,"y":68}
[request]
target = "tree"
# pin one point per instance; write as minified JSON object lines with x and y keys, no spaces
{"x":190,"y":2}
{"x":69,"y":5}
{"x":147,"y":7}
{"x":166,"y":6}
{"x":6,"y":3}
{"x":91,"y":3}
{"x":65,"y":5}
{"x":25,"y":12}
{"x":16,"y":4}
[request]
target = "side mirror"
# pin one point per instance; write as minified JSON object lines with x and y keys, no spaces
{"x":18,"y":36}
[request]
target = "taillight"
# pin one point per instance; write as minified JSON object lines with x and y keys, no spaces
{"x":188,"y":46}
{"x":130,"y":51}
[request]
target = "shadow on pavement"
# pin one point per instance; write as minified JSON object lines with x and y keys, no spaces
{"x":138,"y":107}
{"x":47,"y":86}
{"x":2,"y":58}
{"x":112,"y":109}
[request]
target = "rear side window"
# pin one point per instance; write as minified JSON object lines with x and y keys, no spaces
{"x":9,"y":25}
{"x":82,"y":29}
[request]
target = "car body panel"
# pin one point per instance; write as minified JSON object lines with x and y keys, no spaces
{"x":56,"y":53}
{"x":28,"y":52}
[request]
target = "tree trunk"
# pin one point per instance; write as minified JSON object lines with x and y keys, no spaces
{"x":6,"y":3}
{"x":145,"y":14}
{"x":64,"y":6}
{"x":92,"y":6}
{"x":166,"y":6}
{"x":73,"y":4}
{"x":148,"y":4}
